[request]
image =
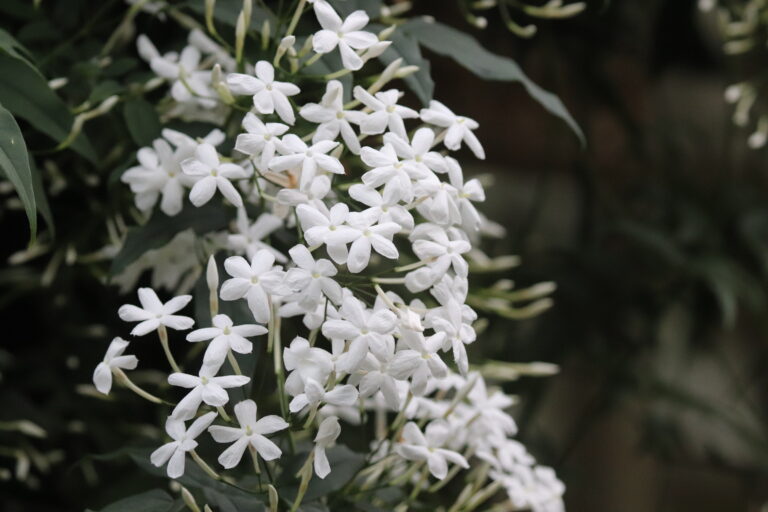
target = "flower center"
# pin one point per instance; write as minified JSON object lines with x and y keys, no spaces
{"x":226,"y":330}
{"x":255,"y":280}
{"x":315,"y":275}
{"x":308,"y":154}
{"x":332,"y":228}
{"x":391,"y":109}
{"x":269,"y":87}
{"x":367,"y":233}
{"x":339,"y":115}
{"x":204,"y":380}
{"x":214,"y":172}
{"x":268,"y":136}
{"x":248,"y":430}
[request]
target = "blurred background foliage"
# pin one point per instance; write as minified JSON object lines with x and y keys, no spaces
{"x":656,"y":235}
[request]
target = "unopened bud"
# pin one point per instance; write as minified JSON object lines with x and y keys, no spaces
{"x":387,"y":32}
{"x":247,"y":11}
{"x":273,"y":498}
{"x":189,"y":500}
{"x":406,"y":71}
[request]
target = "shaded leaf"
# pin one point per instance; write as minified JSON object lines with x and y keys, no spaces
{"x":465,"y":50}
{"x":28,"y":96}
{"x":142,"y":121}
{"x":406,"y":46}
{"x":161,"y":229}
{"x":150,"y":501}
{"x":14,"y":162}
{"x":13,"y":48}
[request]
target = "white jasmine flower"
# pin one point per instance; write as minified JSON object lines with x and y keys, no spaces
{"x":373,"y":376}
{"x":189,"y":84}
{"x":314,"y":394}
{"x":459,"y":127}
{"x":211,"y":174}
{"x":250,"y":433}
{"x":114,"y":358}
{"x":429,"y":447}
{"x":306,"y":364}
{"x":296,"y":154}
{"x":311,"y":279}
{"x":331,"y":117}
{"x":327,"y":434}
{"x":387,"y":170}
{"x":254,"y":282}
{"x":371,"y":235}
{"x":186,"y":145}
{"x":327,"y":227}
{"x":261,"y":139}
{"x":363,"y":328}
{"x":418,"y":154}
{"x":418,"y":360}
{"x":345,"y":34}
{"x":448,"y":320}
{"x":268,"y":95}
{"x":249,"y":239}
{"x":441,"y":252}
{"x":204,"y":387}
{"x":317,"y":190}
{"x":174,"y":453}
{"x":225,"y":336}
{"x":386,"y":112}
{"x":383,"y":208}
{"x":153,"y":313}
{"x":158,"y":173}
{"x":467,"y":193}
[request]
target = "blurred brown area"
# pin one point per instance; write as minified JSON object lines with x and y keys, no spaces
{"x":661,"y":403}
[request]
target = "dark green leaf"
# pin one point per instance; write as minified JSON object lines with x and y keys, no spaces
{"x":13,"y":48}
{"x":218,"y":492}
{"x":142,"y":121}
{"x":150,"y":501}
{"x":347,"y":7}
{"x":227,"y":11}
{"x":26,"y":94}
{"x":464,"y":49}
{"x":41,"y":200}
{"x":161,"y":229}
{"x":406,"y":46}
{"x":14,"y":163}
{"x":103,"y":91}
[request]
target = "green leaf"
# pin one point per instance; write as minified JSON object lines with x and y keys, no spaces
{"x":347,"y":7}
{"x":41,"y":201}
{"x":160,"y":229}
{"x":406,"y":46}
{"x":26,"y":94}
{"x":465,"y":50}
{"x":222,"y":494}
{"x":14,"y":163}
{"x":150,"y":501}
{"x":227,"y":11}
{"x":13,"y":48}
{"x":142,"y":121}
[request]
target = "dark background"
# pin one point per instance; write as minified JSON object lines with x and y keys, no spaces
{"x":656,"y":234}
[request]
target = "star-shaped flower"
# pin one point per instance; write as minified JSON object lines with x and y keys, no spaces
{"x":153,"y":313}
{"x":250,"y":433}
{"x":268,"y":95}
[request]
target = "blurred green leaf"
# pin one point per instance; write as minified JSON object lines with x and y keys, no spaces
{"x":142,"y":121}
{"x":406,"y":46}
{"x":464,"y":49}
{"x":25,"y":92}
{"x":160,"y":229}
{"x":13,"y":48}
{"x":14,"y":162}
{"x":150,"y":501}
